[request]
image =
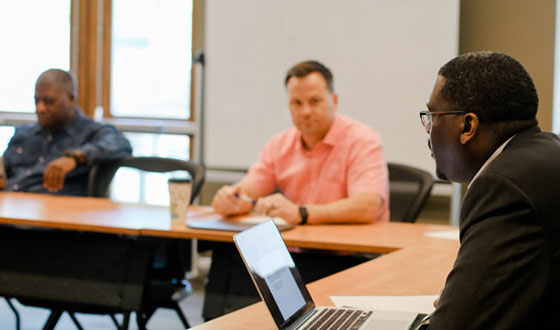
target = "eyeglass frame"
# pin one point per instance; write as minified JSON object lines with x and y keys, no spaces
{"x":429,"y":114}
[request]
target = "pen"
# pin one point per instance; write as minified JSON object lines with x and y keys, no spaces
{"x":245,"y":198}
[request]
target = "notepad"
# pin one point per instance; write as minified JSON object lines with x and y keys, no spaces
{"x":417,"y":304}
{"x":446,"y":234}
{"x":238,"y":224}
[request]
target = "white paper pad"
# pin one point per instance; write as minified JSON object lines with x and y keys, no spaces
{"x":417,"y":304}
{"x":447,"y":234}
{"x":256,"y":219}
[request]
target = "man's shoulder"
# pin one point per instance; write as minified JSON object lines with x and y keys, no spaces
{"x":83,"y":119}
{"x":27,"y":129}
{"x":85,"y":125}
{"x":524,"y":167}
{"x":355,"y":130}
{"x":288,"y":136}
{"x":533,"y":145}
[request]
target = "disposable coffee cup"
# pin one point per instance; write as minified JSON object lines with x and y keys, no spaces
{"x":179,"y":199}
{"x":2,"y":168}
{"x":3,"y":179}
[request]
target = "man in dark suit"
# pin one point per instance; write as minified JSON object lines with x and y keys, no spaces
{"x":483,"y":132}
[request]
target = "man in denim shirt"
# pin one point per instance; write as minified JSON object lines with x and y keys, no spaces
{"x":55,"y":154}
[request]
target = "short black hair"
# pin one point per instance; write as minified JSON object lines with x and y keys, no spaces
{"x":305,"y":68}
{"x":494,"y":86}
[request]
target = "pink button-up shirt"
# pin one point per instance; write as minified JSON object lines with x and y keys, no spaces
{"x":349,"y":160}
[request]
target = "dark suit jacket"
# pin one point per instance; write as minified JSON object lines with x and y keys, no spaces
{"x":507,"y":272}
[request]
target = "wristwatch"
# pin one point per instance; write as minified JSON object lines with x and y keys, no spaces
{"x":303,"y":214}
{"x":78,"y":156}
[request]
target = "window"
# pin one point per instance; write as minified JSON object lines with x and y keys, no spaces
{"x":132,"y":60}
{"x":32,"y":40}
{"x":150,"y":78}
{"x":150,"y":62}
{"x":6,"y":133}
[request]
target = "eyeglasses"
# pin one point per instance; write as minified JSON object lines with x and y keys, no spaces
{"x":426,"y":117}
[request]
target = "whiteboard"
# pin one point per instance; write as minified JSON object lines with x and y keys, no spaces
{"x":384,"y":55}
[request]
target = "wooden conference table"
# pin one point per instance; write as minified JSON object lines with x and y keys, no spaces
{"x":414,"y":263}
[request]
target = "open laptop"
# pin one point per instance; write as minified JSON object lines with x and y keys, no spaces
{"x":281,"y":287}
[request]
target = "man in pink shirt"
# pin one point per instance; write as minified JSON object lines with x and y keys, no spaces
{"x":330,"y":168}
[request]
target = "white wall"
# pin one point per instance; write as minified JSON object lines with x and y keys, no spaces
{"x":384,"y":55}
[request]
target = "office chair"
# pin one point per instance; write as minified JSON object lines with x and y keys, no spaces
{"x":163,"y":286}
{"x":409,"y":189}
{"x":69,"y":284}
{"x":166,"y":286}
{"x":101,"y":175}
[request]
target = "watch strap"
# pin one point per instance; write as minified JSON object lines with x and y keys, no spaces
{"x":303,"y":214}
{"x":78,"y":157}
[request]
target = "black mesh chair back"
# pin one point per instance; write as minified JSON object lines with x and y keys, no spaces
{"x":101,"y":175}
{"x":409,"y":189}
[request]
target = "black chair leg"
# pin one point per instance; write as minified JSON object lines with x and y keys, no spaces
{"x":52,"y":320}
{"x":177,"y":308}
{"x":114,"y":319}
{"x":141,"y":320}
{"x":16,"y":313}
{"x":75,"y":320}
{"x":143,"y":316}
{"x":126,"y":321}
{"x":146,"y":315}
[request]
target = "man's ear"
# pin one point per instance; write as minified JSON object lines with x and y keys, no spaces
{"x":72,"y":98}
{"x":334,"y":101}
{"x":469,"y":127}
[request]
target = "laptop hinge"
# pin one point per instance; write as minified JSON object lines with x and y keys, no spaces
{"x":302,"y":319}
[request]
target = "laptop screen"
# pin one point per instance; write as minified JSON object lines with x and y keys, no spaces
{"x":274,"y":273}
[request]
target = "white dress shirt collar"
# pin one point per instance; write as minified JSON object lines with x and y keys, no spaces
{"x":496,"y":153}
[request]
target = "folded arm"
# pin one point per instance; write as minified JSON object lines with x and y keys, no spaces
{"x":105,"y":144}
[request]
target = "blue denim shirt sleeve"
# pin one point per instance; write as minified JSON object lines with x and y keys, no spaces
{"x":105,"y":143}
{"x":32,"y":148}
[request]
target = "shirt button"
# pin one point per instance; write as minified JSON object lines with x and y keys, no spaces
{"x":41,"y":159}
{"x":15,"y":187}
{"x":49,"y":138}
{"x":19,"y":150}
{"x":28,"y":172}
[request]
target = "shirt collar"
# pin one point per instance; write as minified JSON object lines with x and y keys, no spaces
{"x":496,"y":153}
{"x":333,"y":135}
{"x":330,"y":138}
{"x":68,"y":128}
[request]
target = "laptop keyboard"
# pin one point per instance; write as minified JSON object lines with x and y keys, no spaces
{"x":335,"y":318}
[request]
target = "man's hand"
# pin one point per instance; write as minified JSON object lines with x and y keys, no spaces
{"x":53,"y":178}
{"x":2,"y":182}
{"x":225,"y":202}
{"x":278,"y":205}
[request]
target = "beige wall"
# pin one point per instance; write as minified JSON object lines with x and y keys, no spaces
{"x":521,"y":28}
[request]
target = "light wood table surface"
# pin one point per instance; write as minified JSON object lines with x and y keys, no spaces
{"x":79,"y":213}
{"x":414,"y":263}
{"x":103,"y":215}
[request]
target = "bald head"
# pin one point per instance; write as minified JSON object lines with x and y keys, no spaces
{"x":64,"y":80}
{"x":55,"y":98}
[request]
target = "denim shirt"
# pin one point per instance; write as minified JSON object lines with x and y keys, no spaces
{"x":32,"y":148}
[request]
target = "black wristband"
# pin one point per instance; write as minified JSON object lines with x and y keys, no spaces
{"x":77,"y":158}
{"x":303,"y":214}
